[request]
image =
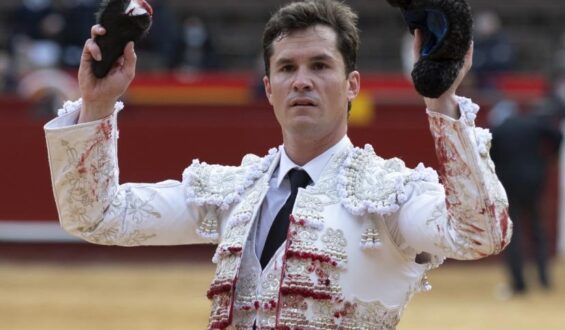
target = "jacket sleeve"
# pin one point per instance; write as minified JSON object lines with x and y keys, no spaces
{"x":93,"y":205}
{"x":466,"y":217}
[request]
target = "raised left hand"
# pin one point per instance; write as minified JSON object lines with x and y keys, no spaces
{"x":447,"y":102}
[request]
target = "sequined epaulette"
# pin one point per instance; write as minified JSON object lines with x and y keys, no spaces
{"x":368,"y":183}
{"x":217,"y":187}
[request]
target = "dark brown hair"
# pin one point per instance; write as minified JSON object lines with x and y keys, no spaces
{"x":301,"y":15}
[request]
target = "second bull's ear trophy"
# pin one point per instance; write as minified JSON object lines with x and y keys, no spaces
{"x":447,"y":35}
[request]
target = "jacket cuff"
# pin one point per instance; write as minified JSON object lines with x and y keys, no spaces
{"x":67,"y":116}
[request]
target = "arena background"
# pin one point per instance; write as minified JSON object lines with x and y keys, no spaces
{"x":179,"y":109}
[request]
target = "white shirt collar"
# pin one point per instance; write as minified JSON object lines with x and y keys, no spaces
{"x":314,"y":167}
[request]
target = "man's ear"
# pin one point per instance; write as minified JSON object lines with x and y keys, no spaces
{"x":353,"y":85}
{"x":268,"y":90}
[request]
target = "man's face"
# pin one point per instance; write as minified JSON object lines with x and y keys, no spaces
{"x":308,"y":86}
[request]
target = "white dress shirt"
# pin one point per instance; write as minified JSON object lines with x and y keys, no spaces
{"x":279,"y":188}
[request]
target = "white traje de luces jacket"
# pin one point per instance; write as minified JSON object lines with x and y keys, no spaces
{"x":360,"y":240}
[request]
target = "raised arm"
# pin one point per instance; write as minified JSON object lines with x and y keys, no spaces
{"x":82,"y":146}
{"x":467,"y":218}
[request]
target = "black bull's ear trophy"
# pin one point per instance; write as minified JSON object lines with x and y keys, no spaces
{"x":447,"y":35}
{"x":124,"y":21}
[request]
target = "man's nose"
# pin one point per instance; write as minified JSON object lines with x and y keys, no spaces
{"x":302,"y":81}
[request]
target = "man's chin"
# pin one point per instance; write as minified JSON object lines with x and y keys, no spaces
{"x":303,"y":121}
{"x":302,"y":127}
{"x":303,"y":110}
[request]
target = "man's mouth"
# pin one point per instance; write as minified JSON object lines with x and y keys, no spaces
{"x":303,"y":102}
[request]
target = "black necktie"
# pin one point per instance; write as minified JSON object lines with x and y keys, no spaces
{"x":279,"y":228}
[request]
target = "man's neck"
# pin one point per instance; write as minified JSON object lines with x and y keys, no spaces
{"x":302,"y":150}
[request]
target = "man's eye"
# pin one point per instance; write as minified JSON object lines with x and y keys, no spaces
{"x":319,"y":66}
{"x":287,"y":68}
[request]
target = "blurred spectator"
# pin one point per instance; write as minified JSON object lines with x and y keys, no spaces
{"x":160,"y":48}
{"x":559,"y":57}
{"x":79,"y":16}
{"x":198,"y":52}
{"x":493,"y":53}
{"x":555,"y":103}
{"x":37,"y":27}
{"x":7,"y":78}
{"x":36,"y":45}
{"x":522,"y":147}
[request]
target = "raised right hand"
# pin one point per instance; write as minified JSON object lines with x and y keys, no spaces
{"x":99,"y":95}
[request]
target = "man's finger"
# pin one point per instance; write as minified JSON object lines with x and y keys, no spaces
{"x":92,"y":51}
{"x":97,"y":30}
